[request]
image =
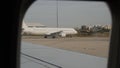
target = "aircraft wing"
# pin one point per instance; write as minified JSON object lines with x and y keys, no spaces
{"x":54,"y":34}
{"x":39,"y":56}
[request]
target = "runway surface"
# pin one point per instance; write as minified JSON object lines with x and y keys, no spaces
{"x":97,"y":46}
{"x":40,"y":56}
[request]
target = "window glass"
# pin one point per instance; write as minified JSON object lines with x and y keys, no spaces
{"x":68,"y":34}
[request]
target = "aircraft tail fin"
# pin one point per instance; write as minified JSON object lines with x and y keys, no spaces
{"x":24,"y":25}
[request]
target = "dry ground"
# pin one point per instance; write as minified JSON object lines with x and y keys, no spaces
{"x":97,"y":46}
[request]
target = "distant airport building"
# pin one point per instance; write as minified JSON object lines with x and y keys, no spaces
{"x":108,"y":27}
{"x":37,"y":25}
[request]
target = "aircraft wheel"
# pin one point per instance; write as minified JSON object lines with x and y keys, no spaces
{"x":45,"y":36}
{"x":53,"y":37}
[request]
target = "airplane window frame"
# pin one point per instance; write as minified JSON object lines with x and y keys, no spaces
{"x":21,"y":6}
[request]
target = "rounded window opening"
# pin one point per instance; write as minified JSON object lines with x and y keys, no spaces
{"x":66,"y":34}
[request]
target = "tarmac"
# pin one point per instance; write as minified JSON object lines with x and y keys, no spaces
{"x":96,"y":46}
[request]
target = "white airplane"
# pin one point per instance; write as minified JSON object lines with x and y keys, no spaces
{"x":48,"y":32}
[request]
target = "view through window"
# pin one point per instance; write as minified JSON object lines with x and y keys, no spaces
{"x":66,"y":34}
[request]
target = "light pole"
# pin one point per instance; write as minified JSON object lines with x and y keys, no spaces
{"x":57,"y":13}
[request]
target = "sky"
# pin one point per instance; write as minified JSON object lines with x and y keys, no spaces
{"x":70,"y":13}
